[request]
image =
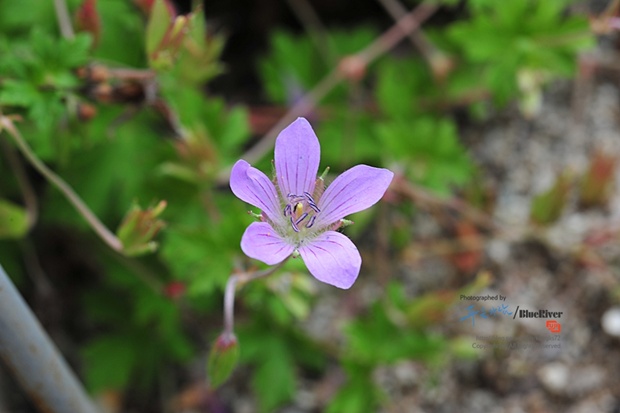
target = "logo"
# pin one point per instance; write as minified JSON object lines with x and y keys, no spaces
{"x":554,"y":326}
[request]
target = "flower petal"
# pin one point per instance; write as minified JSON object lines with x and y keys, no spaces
{"x":333,"y":259}
{"x":252,"y":186}
{"x":297,"y":155}
{"x":356,"y":189}
{"x":262,"y":243}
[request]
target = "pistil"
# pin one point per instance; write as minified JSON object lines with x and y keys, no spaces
{"x":301,"y":208}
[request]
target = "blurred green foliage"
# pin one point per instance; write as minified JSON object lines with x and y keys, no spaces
{"x":175,"y":141}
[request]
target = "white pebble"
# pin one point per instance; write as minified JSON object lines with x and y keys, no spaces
{"x":611,"y":321}
{"x":554,"y":377}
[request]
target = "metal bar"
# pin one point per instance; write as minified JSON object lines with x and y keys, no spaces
{"x":34,"y":360}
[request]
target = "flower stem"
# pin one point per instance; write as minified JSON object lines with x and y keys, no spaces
{"x":63,"y":18}
{"x":229,"y":294}
{"x":108,"y":237}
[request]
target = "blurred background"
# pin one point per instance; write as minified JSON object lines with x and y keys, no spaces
{"x":499,"y":119}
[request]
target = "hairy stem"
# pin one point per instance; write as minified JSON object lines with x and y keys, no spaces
{"x":229,"y":294}
{"x":108,"y":237}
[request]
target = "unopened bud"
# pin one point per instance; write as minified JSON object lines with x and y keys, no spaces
{"x":139,"y":227}
{"x":441,"y":65}
{"x":174,"y":290}
{"x":103,"y":92}
{"x":222,"y":359}
{"x":86,"y":111}
{"x":352,"y":68}
{"x":87,"y":19}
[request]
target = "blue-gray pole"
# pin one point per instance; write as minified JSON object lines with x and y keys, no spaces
{"x":34,"y":360}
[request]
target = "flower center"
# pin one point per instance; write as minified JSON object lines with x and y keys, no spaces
{"x":301,"y":210}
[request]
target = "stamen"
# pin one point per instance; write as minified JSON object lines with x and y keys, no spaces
{"x":311,"y":222}
{"x":324,"y":173}
{"x":294,"y":225}
{"x":305,"y":214}
{"x":311,"y":202}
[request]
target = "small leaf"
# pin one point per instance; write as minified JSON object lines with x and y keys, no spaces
{"x":223,"y":359}
{"x":429,"y":309}
{"x":159,"y":23}
{"x":596,"y":183}
{"x":13,"y":220}
{"x":547,"y":206}
{"x":469,"y":258}
{"x":87,"y":19}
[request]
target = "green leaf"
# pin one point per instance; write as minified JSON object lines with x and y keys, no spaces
{"x":18,"y":93}
{"x":159,"y":23}
{"x":275,"y":379}
{"x":400,"y":83}
{"x":359,"y":394}
{"x":24,"y":15}
{"x":122,"y":24}
{"x":201,"y":251}
{"x":273,"y":352}
{"x":375,"y":339}
{"x":539,"y":36}
{"x":13,"y":220}
{"x":430,"y":148}
{"x":109,"y":362}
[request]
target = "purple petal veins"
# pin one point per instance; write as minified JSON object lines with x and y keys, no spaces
{"x":333,"y":259}
{"x":261,"y":242}
{"x":297,"y":154}
{"x":252,"y":186}
{"x":356,"y":189}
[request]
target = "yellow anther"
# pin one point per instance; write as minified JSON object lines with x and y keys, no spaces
{"x":298,"y":209}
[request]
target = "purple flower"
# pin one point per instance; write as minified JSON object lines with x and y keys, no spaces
{"x":299,"y":215}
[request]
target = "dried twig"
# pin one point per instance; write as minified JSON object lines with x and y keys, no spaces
{"x":313,"y":26}
{"x":418,"y":39}
{"x":422,"y":196}
{"x":385,"y":42}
